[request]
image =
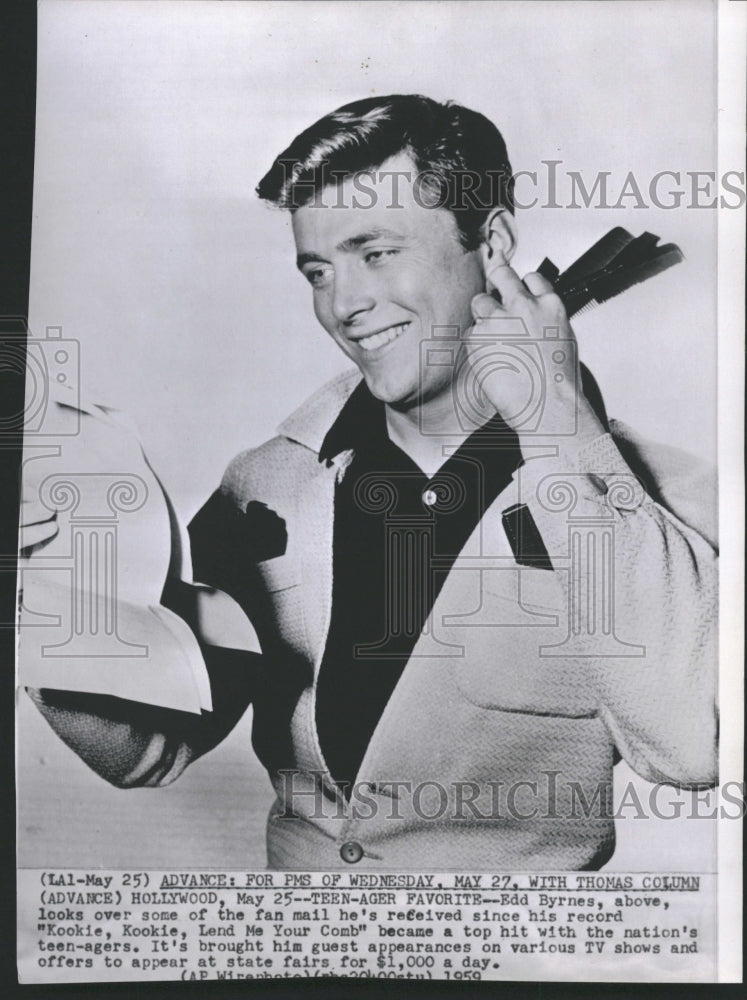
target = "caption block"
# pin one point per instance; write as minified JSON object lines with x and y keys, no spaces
{"x":108,"y":926}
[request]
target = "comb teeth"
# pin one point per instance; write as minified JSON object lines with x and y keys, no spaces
{"x":592,"y":304}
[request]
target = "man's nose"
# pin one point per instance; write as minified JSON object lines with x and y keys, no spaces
{"x":352,"y":296}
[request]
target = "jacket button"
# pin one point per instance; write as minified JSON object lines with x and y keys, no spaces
{"x":351,"y":852}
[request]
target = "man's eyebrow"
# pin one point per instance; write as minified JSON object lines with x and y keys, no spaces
{"x":354,"y":242}
{"x":351,"y":243}
{"x":309,"y":258}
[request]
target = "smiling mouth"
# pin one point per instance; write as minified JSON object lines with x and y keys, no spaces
{"x":376,"y":340}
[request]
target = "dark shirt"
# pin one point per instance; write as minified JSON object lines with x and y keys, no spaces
{"x":396,"y":536}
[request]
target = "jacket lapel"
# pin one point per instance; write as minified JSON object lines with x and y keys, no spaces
{"x":314,"y":528}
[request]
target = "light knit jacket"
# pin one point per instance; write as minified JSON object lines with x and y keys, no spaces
{"x":496,"y":748}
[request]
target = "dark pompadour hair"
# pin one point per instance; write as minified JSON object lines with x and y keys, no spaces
{"x":459,"y":154}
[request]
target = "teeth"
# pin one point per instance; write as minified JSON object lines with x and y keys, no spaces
{"x":379,"y":339}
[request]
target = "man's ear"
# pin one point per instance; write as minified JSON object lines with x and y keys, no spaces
{"x":500,"y":236}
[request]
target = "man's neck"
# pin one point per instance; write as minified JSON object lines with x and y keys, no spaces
{"x":423,"y":431}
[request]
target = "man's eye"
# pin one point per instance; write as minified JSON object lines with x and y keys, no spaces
{"x":317,"y":276}
{"x":374,"y":256}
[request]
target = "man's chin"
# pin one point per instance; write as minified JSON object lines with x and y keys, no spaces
{"x":398,"y":396}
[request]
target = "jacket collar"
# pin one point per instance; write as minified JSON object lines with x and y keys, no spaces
{"x":311,"y":422}
{"x":360,"y":426}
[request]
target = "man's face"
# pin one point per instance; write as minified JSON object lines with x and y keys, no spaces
{"x":383,"y":277}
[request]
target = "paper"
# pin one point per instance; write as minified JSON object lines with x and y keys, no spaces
{"x":90,"y":613}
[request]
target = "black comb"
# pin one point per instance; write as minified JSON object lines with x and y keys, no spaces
{"x":615,"y":263}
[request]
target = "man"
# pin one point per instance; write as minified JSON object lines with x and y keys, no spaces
{"x":471,"y":590}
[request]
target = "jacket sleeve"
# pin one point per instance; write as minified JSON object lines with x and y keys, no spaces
{"x":133,"y":745}
{"x":633,"y":543}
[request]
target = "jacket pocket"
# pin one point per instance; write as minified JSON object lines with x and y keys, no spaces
{"x":510,"y":660}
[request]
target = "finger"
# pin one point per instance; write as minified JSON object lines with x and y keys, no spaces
{"x":36,"y":534}
{"x":34,"y":512}
{"x":504,"y":279}
{"x":536,"y":284}
{"x":484,"y":305}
